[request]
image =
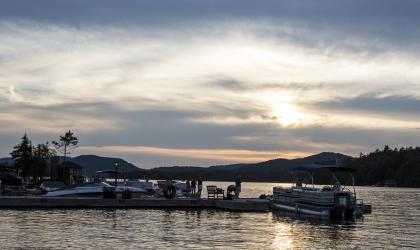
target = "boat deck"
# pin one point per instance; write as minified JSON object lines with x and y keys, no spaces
{"x":89,"y":202}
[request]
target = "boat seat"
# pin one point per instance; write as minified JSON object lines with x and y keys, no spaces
{"x":213,"y":192}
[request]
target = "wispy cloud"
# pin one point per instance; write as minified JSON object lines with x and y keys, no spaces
{"x":294,"y":78}
{"x":193,"y":155}
{"x":388,"y":104}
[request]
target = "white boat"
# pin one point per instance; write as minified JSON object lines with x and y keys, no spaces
{"x":147,"y":185}
{"x":94,"y":189}
{"x":179,"y":185}
{"x":105,"y":179}
{"x":48,"y":186}
{"x":330,"y":201}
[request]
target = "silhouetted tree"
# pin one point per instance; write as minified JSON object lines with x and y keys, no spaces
{"x":402,"y":166}
{"x":22,"y":155}
{"x":55,"y":168}
{"x":66,"y":143}
{"x":41,"y":156}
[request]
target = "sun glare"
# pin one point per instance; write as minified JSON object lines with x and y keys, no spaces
{"x":286,"y":114}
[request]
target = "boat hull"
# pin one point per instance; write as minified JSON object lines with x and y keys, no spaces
{"x":302,"y":209}
{"x":94,"y":190}
{"x":314,"y":202}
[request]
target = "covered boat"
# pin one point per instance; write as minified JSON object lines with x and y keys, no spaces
{"x":94,"y":189}
{"x":104,"y":181}
{"x":335,"y":200}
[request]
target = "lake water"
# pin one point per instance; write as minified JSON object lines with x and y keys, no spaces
{"x":394,"y":224}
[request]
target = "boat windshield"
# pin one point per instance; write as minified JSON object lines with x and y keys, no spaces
{"x":109,"y":175}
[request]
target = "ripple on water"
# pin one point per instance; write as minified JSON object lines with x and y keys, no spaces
{"x":394,"y":223}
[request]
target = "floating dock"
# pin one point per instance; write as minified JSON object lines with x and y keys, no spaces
{"x":89,"y":202}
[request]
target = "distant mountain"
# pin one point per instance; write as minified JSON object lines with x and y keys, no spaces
{"x":276,"y":170}
{"x":231,"y":166}
{"x":93,"y":163}
{"x":400,"y":166}
{"x":288,"y":164}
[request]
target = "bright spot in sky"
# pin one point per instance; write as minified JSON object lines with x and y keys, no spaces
{"x":286,"y":114}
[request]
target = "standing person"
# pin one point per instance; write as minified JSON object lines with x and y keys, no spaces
{"x":200,"y":187}
{"x":193,"y":187}
{"x":237,"y":186}
{"x":188,"y":184}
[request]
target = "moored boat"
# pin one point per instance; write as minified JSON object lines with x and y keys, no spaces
{"x":336,"y":200}
{"x":94,"y":189}
{"x":104,"y":181}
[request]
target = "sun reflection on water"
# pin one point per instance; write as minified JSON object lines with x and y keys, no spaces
{"x":282,"y":239}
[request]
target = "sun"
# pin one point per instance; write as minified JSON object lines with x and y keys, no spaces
{"x":286,"y":114}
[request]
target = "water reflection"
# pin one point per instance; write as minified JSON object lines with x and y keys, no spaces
{"x":110,"y":215}
{"x":303,"y":231}
{"x":394,"y":223}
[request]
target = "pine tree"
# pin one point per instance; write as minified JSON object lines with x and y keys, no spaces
{"x":22,"y":156}
{"x":66,"y":143}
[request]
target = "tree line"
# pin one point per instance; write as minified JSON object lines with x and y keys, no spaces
{"x":400,"y":167}
{"x":33,"y":161}
{"x":382,"y":167}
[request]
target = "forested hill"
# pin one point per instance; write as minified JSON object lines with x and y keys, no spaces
{"x":93,"y":163}
{"x":392,"y":166}
{"x":277,"y":170}
{"x":400,"y":167}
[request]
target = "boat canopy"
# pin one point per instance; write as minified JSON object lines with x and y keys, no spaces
{"x":107,"y":172}
{"x":332,"y":168}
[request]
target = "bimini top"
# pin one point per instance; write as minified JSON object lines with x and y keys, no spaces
{"x":332,"y":168}
{"x":107,"y":172}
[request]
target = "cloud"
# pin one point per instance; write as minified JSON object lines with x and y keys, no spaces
{"x":288,"y":77}
{"x":229,"y":84}
{"x":373,"y":24}
{"x":401,"y":106}
{"x":197,"y":155}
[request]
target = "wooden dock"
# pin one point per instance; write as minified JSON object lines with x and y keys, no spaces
{"x":89,"y":202}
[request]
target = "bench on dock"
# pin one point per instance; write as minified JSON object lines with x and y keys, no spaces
{"x":213,"y":192}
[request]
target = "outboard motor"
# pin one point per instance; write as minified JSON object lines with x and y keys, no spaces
{"x":342,"y":205}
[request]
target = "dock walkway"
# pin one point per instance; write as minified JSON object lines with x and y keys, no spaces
{"x":89,"y":202}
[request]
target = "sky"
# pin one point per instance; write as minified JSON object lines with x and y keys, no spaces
{"x":185,"y":82}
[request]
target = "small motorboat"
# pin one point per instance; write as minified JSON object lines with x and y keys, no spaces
{"x":106,"y":179}
{"x":94,"y":189}
{"x":147,"y":185}
{"x":334,"y":201}
{"x":48,"y":186}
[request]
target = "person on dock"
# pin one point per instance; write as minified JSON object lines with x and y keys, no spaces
{"x":237,"y":186}
{"x":337,"y":186}
{"x":193,"y":187}
{"x":200,"y":187}
{"x":188,"y":184}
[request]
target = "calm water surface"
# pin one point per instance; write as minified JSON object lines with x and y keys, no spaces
{"x":394,"y":224}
